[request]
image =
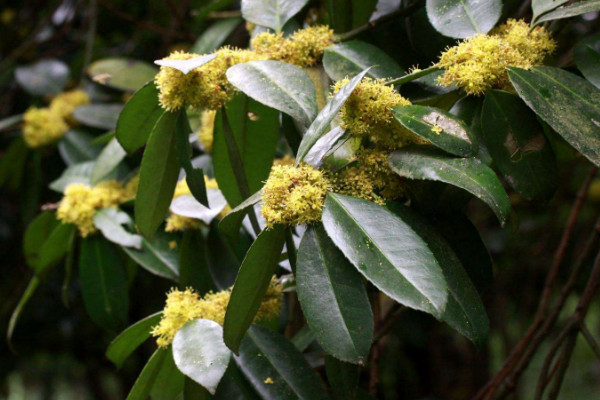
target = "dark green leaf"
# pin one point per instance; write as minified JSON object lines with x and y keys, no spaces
{"x":130,"y":339}
{"x":279,"y":85}
{"x":193,"y":391}
{"x":37,"y":233}
{"x":12,"y":163}
{"x":463,"y":18}
{"x":469,"y":174}
{"x":453,"y":137}
{"x":213,"y":37}
{"x":76,"y":173}
{"x":321,"y":125}
{"x":333,"y":298}
{"x":108,"y":160}
{"x":230,"y":225}
{"x":568,"y":103}
{"x":43,"y":78}
{"x":169,"y":381}
{"x":518,"y":146}
{"x":572,"y":10}
{"x":539,"y":7}
{"x":225,"y":256}
{"x":303,"y":338}
{"x":194,"y":177}
{"x":387,"y":252}
{"x":14,"y":317}
{"x":200,"y":353}
{"x":110,"y":222}
{"x":147,"y":378}
{"x":193,"y":266}
{"x":323,"y":147}
{"x":266,"y":354}
{"x":468,"y":109}
{"x":271,"y":13}
{"x":362,"y":11}
{"x":76,"y":147}
{"x":350,"y":58}
{"x":156,"y":256}
{"x":587,"y":58}
{"x":187,"y":206}
{"x":343,"y":378}
{"x":101,"y":116}
{"x":252,"y":282}
{"x":103,"y":283}
{"x":55,"y":247}
{"x":138,"y":118}
{"x":158,"y":175}
{"x":121,"y":73}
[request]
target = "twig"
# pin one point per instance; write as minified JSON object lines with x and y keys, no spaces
{"x":590,"y":339}
{"x":224,"y":14}
{"x":388,"y":320}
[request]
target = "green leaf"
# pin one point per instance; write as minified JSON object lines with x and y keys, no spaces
{"x":251,"y":283}
{"x":465,"y":311}
{"x":343,"y":378}
{"x":108,"y":160}
{"x":362,"y":10}
{"x":14,"y":317}
{"x":103,"y":283}
{"x":101,"y":116}
{"x":387,"y":252}
{"x":454,"y":136}
{"x":279,"y":85}
{"x":271,"y":13}
{"x":350,"y":58}
{"x":138,"y":118}
{"x":566,"y":102}
{"x":572,"y":10}
{"x":463,"y":18}
{"x":130,"y":339}
{"x":36,"y":234}
{"x":540,"y":7}
{"x":470,"y":174}
{"x":147,"y":378}
{"x":266,"y":354}
{"x":468,"y":109}
{"x":76,"y":173}
{"x":213,"y":37}
{"x":225,"y":256}
{"x":255,"y":128}
{"x":303,"y":338}
{"x":12,"y":163}
{"x":200,"y":353}
{"x":518,"y":146}
{"x":187,"y":206}
{"x":194,"y":177}
{"x":193,"y":391}
{"x":193,"y":266}
{"x":156,"y":256}
{"x":110,"y":222}
{"x":325,"y":146}
{"x":43,"y":78}
{"x":168,"y":384}
{"x":158,"y":175}
{"x":76,"y":147}
{"x":121,"y":73}
{"x":230,"y":225}
{"x":333,"y":298}
{"x":188,"y":65}
{"x":321,"y":125}
{"x":587,"y":58}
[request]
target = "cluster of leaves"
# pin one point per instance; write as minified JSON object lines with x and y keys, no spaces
{"x":340,"y":265}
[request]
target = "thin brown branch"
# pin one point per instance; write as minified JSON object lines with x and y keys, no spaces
{"x":590,"y":339}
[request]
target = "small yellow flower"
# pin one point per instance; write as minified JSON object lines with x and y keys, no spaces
{"x":65,"y":103}
{"x":184,"y":306}
{"x":131,"y":187}
{"x":436,"y":129}
{"x":293,"y":195}
{"x":42,"y":127}
{"x":205,"y":132}
{"x":269,"y":381}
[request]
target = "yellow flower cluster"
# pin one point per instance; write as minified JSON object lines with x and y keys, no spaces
{"x":184,"y":306}
{"x":80,"y":202}
{"x":46,"y":125}
{"x":293,"y":195}
{"x":205,"y":87}
{"x":178,"y":223}
{"x":205,"y":132}
{"x":479,"y":62}
{"x":368,"y":114}
{"x":303,"y":48}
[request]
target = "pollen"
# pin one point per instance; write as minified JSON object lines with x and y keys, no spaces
{"x":42,"y":127}
{"x":205,"y":132}
{"x":436,"y":129}
{"x":184,"y":306}
{"x":269,"y":381}
{"x":304,"y":48}
{"x":65,"y":103}
{"x":293,"y":195}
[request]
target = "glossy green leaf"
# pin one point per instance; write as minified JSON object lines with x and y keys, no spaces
{"x":193,"y":391}
{"x":225,"y":256}
{"x":572,"y":10}
{"x":587,"y":58}
{"x":321,"y":125}
{"x":158,"y":175}
{"x":387,"y":252}
{"x":468,"y":109}
{"x":156,"y":256}
{"x":540,"y":7}
{"x":110,"y":222}
{"x":333,"y":298}
{"x":463,"y":18}
{"x":108,"y":160}
{"x":267,"y":354}
{"x":271,"y":13}
{"x":343,"y":378}
{"x":251,"y":284}
{"x":200,"y":353}
{"x":36,"y":234}
{"x":138,"y":118}
{"x":101,"y":116}
{"x":43,"y":78}
{"x":12,"y":163}
{"x":103,"y":283}
{"x":350,"y":58}
{"x":213,"y":37}
{"x":465,"y":311}
{"x":194,"y":177}
{"x":518,"y":146}
{"x":76,"y":173}
{"x":279,"y":85}
{"x":193,"y":265}
{"x":566,"y":102}
{"x":453,"y":137}
{"x":168,"y":384}
{"x":325,"y":146}
{"x":230,"y":225}
{"x":76,"y":147}
{"x":470,"y":174}
{"x":130,"y":339}
{"x":255,"y":128}
{"x":121,"y":73}
{"x":147,"y":378}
